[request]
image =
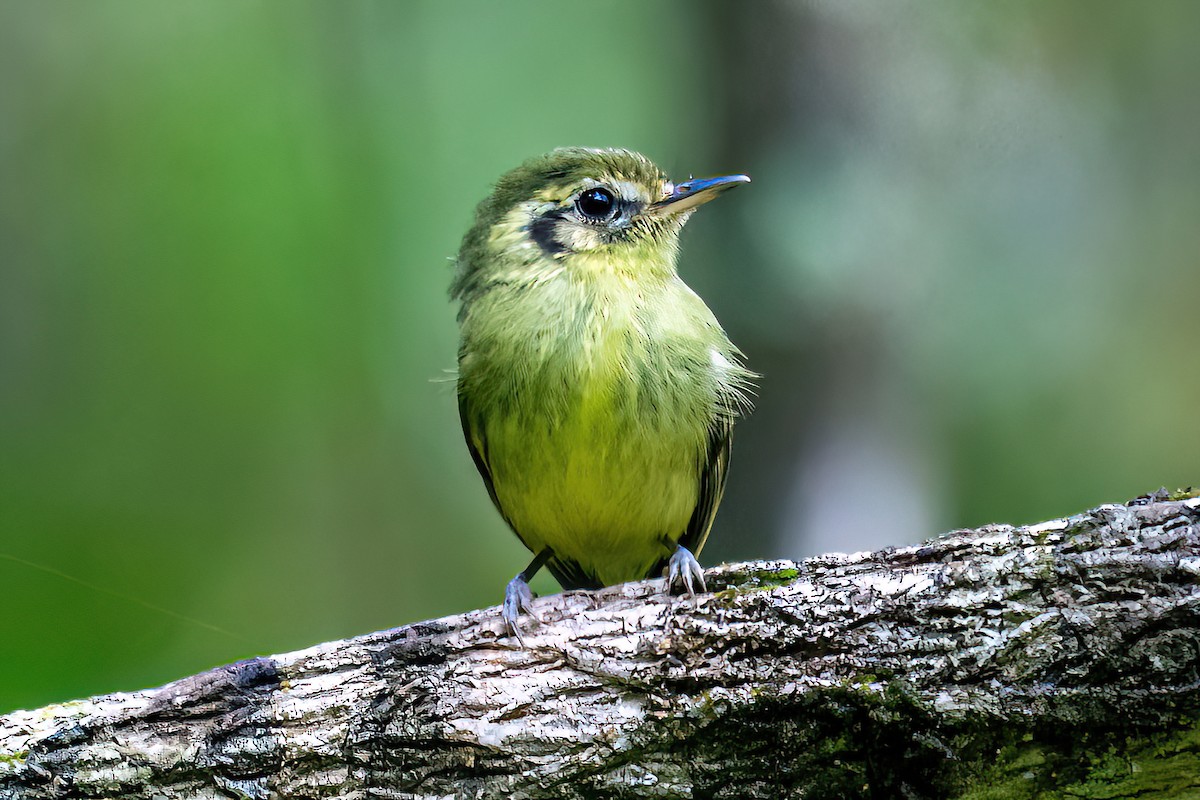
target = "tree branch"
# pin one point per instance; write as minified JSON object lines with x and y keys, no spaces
{"x":998,"y":662}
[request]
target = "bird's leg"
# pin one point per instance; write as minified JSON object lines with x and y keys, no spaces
{"x":518,"y":597}
{"x":683,"y":567}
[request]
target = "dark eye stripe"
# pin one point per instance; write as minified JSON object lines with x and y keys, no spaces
{"x":542,"y":231}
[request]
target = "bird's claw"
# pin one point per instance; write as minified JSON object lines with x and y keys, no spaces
{"x":518,"y":597}
{"x":684,"y":568}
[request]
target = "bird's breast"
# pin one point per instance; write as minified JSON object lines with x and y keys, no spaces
{"x":642,"y":356}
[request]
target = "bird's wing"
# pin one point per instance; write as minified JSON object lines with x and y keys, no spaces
{"x":712,"y":486}
{"x":569,"y":574}
{"x":477,"y":444}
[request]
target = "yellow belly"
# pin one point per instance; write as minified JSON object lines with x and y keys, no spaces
{"x":607,"y":492}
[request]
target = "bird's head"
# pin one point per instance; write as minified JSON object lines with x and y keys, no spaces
{"x":581,"y":208}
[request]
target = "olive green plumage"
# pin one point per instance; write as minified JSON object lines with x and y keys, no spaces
{"x":597,"y":391}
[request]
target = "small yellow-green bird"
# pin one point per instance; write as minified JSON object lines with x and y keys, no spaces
{"x":597,"y":391}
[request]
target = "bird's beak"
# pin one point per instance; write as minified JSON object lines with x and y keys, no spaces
{"x":689,"y":194}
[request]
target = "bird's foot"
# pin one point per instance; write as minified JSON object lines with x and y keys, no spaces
{"x":684,"y":568}
{"x":518,"y":597}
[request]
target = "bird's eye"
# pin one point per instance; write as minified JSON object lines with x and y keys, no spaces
{"x":596,"y":204}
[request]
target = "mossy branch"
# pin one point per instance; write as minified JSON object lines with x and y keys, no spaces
{"x":1050,"y":660}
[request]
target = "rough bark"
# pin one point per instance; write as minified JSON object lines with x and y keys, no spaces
{"x":1061,"y":658}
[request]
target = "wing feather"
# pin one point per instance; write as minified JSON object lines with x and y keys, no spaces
{"x":713,"y":473}
{"x":569,"y":574}
{"x":477,"y":445}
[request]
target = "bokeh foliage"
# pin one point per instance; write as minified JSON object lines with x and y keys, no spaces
{"x":225,"y":340}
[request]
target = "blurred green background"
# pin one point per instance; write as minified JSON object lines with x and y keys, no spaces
{"x":968,"y":269}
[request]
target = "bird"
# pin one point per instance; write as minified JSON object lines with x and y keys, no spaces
{"x":597,"y":392}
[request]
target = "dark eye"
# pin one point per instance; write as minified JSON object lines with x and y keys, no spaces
{"x":596,"y":204}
